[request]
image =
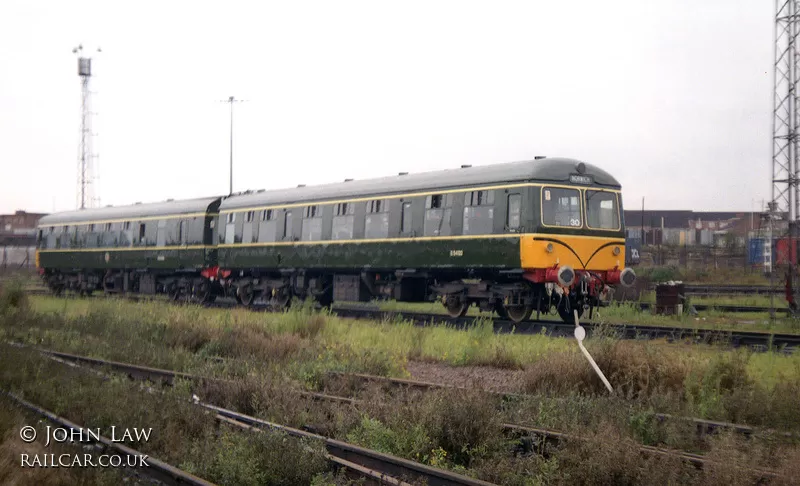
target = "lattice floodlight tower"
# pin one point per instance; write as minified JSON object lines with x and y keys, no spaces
{"x":785,"y":116}
{"x":784,"y":207}
{"x":86,"y":176}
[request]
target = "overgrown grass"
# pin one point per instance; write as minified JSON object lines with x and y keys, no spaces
{"x":13,"y":299}
{"x":305,"y":343}
{"x":12,"y":419}
{"x":702,"y":275}
{"x":182,"y":434}
{"x":629,"y":313}
{"x":265,"y":355}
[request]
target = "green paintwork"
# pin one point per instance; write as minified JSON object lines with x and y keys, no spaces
{"x":173,"y":258}
{"x":477,"y":253}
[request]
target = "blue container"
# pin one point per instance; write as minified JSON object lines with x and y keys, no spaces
{"x":755,"y":251}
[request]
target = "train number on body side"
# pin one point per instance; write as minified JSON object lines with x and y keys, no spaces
{"x":456,"y":253}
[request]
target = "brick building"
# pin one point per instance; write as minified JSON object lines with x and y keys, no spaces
{"x":19,"y":222}
{"x":690,"y":228}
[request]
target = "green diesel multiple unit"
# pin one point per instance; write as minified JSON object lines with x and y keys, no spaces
{"x":512,"y":237}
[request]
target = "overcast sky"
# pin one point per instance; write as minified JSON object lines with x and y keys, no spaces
{"x":672,"y":97}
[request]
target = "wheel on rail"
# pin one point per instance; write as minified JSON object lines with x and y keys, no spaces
{"x":500,"y":309}
{"x":518,"y":313}
{"x":202,"y":293}
{"x":456,"y":306}
{"x":245,"y":295}
{"x":281,"y":299}
{"x":325,"y":299}
{"x":174,"y":292}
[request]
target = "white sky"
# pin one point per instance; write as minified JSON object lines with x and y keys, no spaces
{"x":673,"y":98}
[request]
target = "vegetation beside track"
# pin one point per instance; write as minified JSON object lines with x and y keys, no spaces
{"x":182,"y":434}
{"x":270,"y":357}
{"x":702,"y":275}
{"x":12,"y":419}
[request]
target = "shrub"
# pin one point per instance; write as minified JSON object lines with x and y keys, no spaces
{"x":13,"y":298}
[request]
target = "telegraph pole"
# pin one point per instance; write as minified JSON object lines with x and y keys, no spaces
{"x":231,"y":100}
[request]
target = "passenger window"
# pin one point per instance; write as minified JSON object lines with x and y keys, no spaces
{"x":268,"y":227}
{"x":311,"y":229}
{"x":438,"y":212}
{"x":161,"y":233}
{"x":142,"y":234}
{"x":478,"y":215}
{"x":376,"y":224}
{"x":287,"y":225}
{"x":182,"y":232}
{"x":514,"y":212}
{"x":405,"y":219}
{"x":65,"y":239}
{"x":343,"y":220}
{"x":248,"y":235}
{"x":230,"y":228}
{"x":561,"y":207}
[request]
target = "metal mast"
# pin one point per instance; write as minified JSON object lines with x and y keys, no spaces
{"x":785,"y":119}
{"x":231,"y":100}
{"x":86,"y":176}
{"x":785,"y":127}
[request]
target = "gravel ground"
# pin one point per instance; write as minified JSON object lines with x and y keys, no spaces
{"x":483,"y":377}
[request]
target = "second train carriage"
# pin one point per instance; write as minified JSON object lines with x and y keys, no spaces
{"x":513,"y":238}
{"x":148,"y":248}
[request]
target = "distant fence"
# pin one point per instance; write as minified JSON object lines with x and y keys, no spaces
{"x":12,"y":257}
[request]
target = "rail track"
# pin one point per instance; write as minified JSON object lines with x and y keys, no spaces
{"x":702,"y":426}
{"x":372,"y":466}
{"x":756,"y":341}
{"x":714,"y":289}
{"x":382,"y":468}
{"x":155,"y":469}
{"x":723,"y":308}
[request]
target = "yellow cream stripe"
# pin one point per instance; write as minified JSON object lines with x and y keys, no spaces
{"x":133,"y":248}
{"x":418,"y":238}
{"x":335,"y":242}
{"x":398,"y":196}
{"x":135,"y":220}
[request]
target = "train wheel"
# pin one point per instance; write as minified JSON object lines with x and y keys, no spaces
{"x":518,"y":313}
{"x":325,"y":299}
{"x":281,"y":299}
{"x":500,"y":309}
{"x":202,"y":292}
{"x":456,"y":306}
{"x":245,"y":295}
{"x":174,"y":292}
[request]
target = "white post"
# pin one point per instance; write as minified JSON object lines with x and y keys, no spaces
{"x":580,"y":335}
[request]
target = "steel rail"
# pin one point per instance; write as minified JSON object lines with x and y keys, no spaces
{"x":383,"y":468}
{"x":167,"y":376}
{"x":156,"y":469}
{"x":758,"y":341}
{"x":703,"y":426}
{"x":719,"y":307}
{"x":374,"y":466}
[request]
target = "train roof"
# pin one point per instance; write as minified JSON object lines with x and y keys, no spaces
{"x":540,"y":170}
{"x":132,"y":212}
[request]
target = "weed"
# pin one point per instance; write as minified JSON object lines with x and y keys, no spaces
{"x":13,"y":299}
